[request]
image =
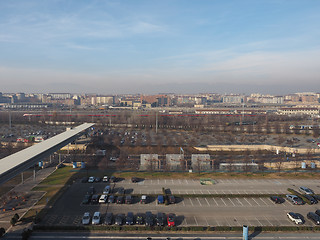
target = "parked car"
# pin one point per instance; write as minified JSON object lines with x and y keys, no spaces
{"x":134,"y":179}
{"x":96,"y":218}
{"x":106,"y":189}
{"x":86,"y":218}
{"x":139,"y":219}
{"x":171,"y":220}
{"x":160,"y":219}
{"x":95,"y":199}
{"x":149,"y":221}
{"x":84,"y":179}
{"x":91,"y":179}
{"x":91,"y":190}
{"x":86,"y":199}
{"x":119,"y":199}
{"x":109,"y":218}
{"x":314,"y":217}
{"x":311,"y":199}
{"x":111,"y":199}
{"x":160,"y":199}
{"x":172,"y":199}
{"x":105,"y":179}
{"x":306,"y":190}
{"x":128,"y":199}
{"x":120,"y":190}
{"x":294,"y":218}
{"x":317,"y":197}
{"x":144,"y":199}
{"x":318,"y":212}
{"x":103,"y":198}
{"x":113,"y":179}
{"x":295,"y":199}
{"x":277,"y":199}
{"x":119,"y":219}
{"x":130,"y":218}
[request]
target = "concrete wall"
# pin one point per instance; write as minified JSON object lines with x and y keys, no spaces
{"x":149,"y":162}
{"x":174,"y":162}
{"x":201,"y":161}
{"x":256,"y":148}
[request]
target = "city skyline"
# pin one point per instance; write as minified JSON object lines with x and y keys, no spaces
{"x":118,"y":47}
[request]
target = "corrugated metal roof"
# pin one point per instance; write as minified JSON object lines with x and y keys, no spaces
{"x":14,"y":160}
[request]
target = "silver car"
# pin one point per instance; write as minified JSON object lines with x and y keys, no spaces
{"x":86,"y":218}
{"x":306,"y":190}
{"x":96,"y":218}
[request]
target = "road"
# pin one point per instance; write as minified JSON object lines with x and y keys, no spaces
{"x":139,"y":236}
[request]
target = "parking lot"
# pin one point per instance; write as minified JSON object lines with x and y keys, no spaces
{"x":222,"y":186}
{"x":189,"y":211}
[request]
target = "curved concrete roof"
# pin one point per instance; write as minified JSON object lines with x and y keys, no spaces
{"x":18,"y":162}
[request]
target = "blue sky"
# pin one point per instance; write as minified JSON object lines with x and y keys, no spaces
{"x":149,"y":46}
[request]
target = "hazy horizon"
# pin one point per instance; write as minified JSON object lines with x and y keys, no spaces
{"x":147,"y":47}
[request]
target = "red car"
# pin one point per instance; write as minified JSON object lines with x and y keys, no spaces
{"x":170,"y":220}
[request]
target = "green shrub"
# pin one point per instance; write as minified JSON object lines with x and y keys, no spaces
{"x":13,"y":221}
{"x":16,"y":216}
{"x":2,"y":231}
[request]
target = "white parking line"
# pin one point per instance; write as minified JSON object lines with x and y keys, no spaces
{"x":208,"y":192}
{"x":259,"y":222}
{"x":227,"y":221}
{"x":231,"y":201}
{"x":180,"y":181}
{"x":215,"y":202}
{"x":239,"y":201}
{"x":199,"y":202}
{"x":183,"y":202}
{"x":206,"y":221}
{"x":194,"y":192}
{"x":207,"y":201}
{"x":185,"y":219}
{"x":268,"y":220}
{"x":223,"y":201}
{"x":195,"y":220}
{"x":172,"y":181}
{"x":264,"y":201}
{"x":247,"y":201}
{"x":201,"y":192}
{"x":191,"y":201}
{"x":165,"y":181}
{"x":158,"y":181}
{"x":255,"y":201}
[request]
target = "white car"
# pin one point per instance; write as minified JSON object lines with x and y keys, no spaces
{"x":96,"y":218}
{"x":306,"y":190}
{"x":103,"y":198}
{"x":105,"y":179}
{"x":294,"y":218}
{"x":91,"y":179}
{"x":86,"y":218}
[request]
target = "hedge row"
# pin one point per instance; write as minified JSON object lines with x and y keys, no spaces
{"x":294,"y":192}
{"x":157,"y":228}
